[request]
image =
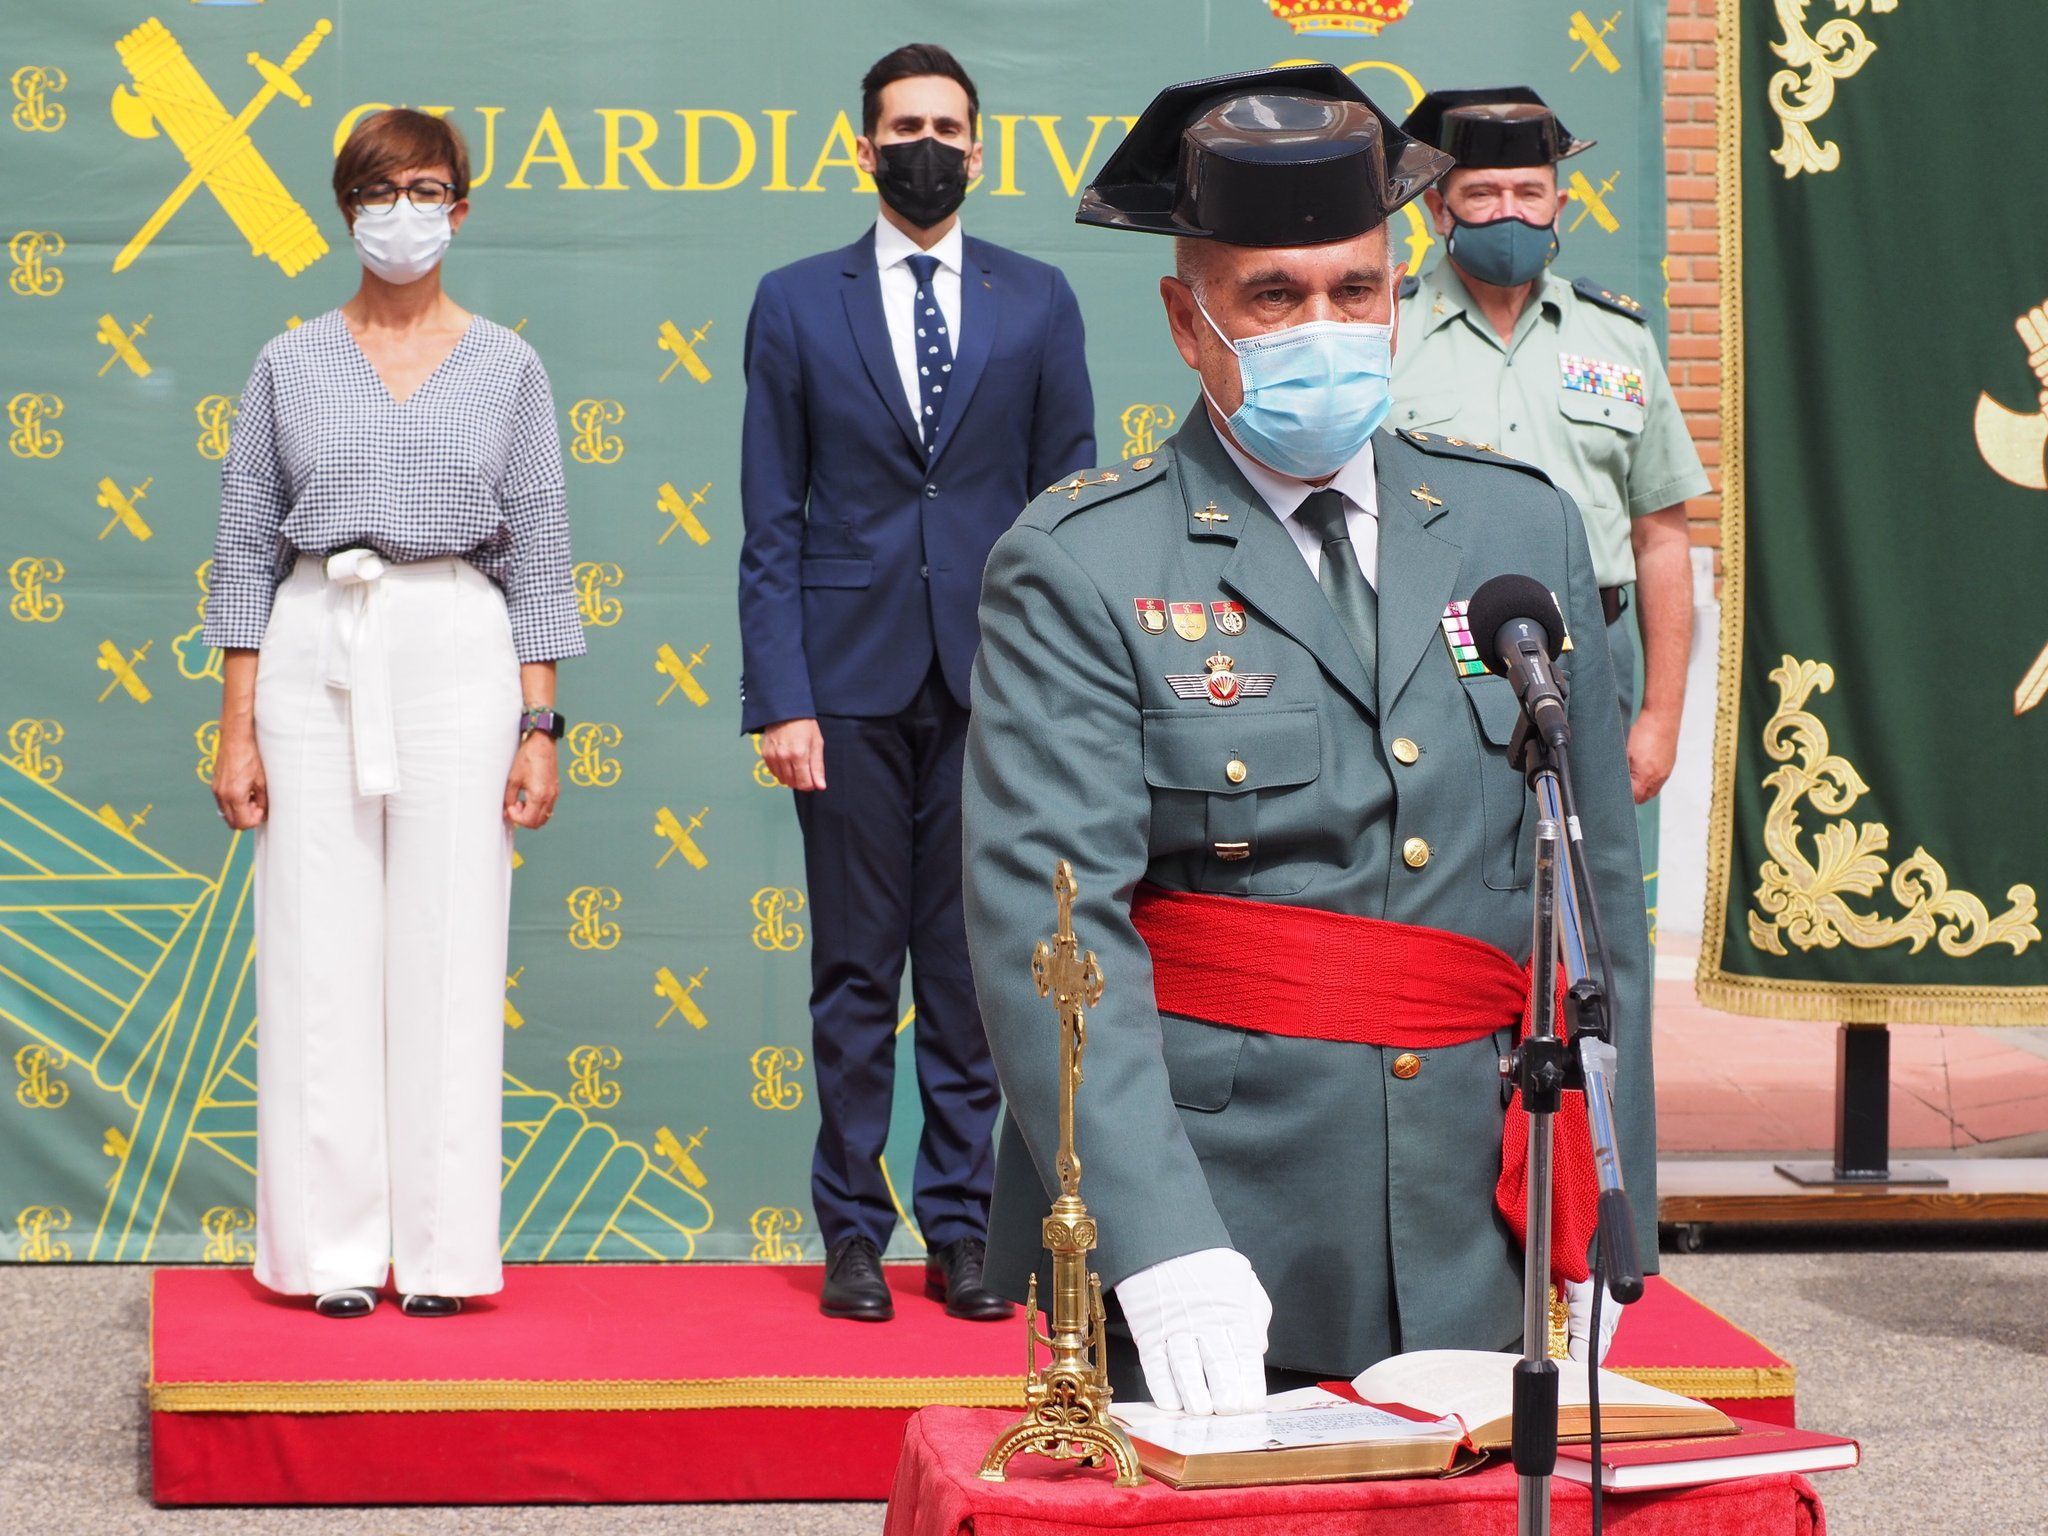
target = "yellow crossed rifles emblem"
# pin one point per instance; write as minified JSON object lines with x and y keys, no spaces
{"x":125,"y":670}
{"x":684,"y":351}
{"x":123,"y":507}
{"x":1594,"y":38}
{"x":34,"y":85}
{"x":681,"y":674}
{"x":32,"y":251}
{"x":677,"y":836}
{"x":678,"y":995}
{"x":678,"y":1154}
{"x":1593,"y":200}
{"x":169,"y":96}
{"x":123,"y":344}
{"x":682,"y":514}
{"x":32,"y":577}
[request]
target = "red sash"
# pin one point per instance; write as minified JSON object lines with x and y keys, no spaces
{"x":1316,"y":975}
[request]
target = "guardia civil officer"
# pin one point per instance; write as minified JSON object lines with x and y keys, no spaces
{"x":1218,"y":679}
{"x":1496,"y":348}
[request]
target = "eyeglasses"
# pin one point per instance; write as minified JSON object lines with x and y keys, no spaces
{"x":383,"y":196}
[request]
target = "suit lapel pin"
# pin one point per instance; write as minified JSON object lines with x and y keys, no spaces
{"x":1209,"y":514}
{"x":1229,"y":618}
{"x":1421,"y":494}
{"x":1151,"y":614}
{"x":1190,"y":621}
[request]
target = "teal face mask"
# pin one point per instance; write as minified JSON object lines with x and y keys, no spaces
{"x":1505,"y":252}
{"x":1313,"y":394}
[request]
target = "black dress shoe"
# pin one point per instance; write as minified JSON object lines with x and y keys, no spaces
{"x":854,"y":1284}
{"x":430,"y":1306}
{"x":952,"y":1274}
{"x":350,"y":1301}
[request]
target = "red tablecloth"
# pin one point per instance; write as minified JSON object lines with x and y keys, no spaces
{"x":938,"y":1494}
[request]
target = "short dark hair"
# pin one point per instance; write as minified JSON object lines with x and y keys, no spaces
{"x":908,"y":62}
{"x":399,"y":139}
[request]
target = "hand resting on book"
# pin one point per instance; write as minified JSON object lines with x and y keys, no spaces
{"x":1199,"y":1322}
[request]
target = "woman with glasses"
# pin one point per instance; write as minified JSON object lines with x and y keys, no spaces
{"x":391,"y":587}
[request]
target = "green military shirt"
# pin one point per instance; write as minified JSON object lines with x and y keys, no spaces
{"x":1361,"y":1194}
{"x":1579,"y":391}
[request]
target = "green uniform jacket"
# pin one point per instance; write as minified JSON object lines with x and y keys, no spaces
{"x":1363,"y":1201}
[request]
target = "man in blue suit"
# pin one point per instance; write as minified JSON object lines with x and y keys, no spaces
{"x":906,"y":396}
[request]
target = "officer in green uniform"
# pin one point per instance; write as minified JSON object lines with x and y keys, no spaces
{"x":1496,"y":348}
{"x":1229,"y":681}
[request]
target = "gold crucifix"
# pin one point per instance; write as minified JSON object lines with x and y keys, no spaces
{"x":1074,"y":982}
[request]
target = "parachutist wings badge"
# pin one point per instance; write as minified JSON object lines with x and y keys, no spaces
{"x":1222,"y":684}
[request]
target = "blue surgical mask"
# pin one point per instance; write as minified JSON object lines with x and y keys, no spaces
{"x":1505,"y":252}
{"x":1313,"y":394}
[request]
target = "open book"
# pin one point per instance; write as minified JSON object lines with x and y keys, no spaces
{"x":1477,"y":1387}
{"x":1305,"y":1436}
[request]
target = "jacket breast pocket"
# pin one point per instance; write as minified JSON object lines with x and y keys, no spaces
{"x":835,"y":570}
{"x":1233,"y":792}
{"x":1507,"y":804}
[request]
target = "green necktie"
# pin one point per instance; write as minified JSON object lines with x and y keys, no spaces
{"x":1357,"y":605}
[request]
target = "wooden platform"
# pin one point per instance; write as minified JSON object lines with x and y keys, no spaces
{"x":1693,"y":1194}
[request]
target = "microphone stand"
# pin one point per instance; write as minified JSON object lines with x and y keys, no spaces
{"x":1543,"y":1068}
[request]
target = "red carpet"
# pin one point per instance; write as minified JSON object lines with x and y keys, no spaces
{"x":642,"y":1384}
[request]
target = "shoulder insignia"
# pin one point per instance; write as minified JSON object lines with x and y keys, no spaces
{"x":1607,"y":298}
{"x":1091,"y":487}
{"x":1410,"y":286}
{"x":1471,"y":453}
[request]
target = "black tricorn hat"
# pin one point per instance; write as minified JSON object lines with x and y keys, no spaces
{"x":1293,"y":156}
{"x":1481,"y":130}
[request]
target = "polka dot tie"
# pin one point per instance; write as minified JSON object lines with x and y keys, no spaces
{"x":934,"y":350}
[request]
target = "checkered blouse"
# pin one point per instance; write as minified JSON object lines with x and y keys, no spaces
{"x":321,"y":458}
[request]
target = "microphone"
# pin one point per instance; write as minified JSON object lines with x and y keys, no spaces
{"x":1518,"y":631}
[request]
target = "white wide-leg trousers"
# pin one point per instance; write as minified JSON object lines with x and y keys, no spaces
{"x":381,"y":926}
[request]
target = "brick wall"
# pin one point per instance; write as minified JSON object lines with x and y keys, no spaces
{"x":1689,"y":129}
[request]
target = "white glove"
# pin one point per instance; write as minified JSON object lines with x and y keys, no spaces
{"x":1578,"y":1301}
{"x":1199,"y":1322}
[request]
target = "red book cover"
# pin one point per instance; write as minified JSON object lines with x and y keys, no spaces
{"x":1755,"y":1450}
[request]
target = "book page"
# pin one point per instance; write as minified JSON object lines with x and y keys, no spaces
{"x":1309,"y":1416}
{"x":1478,"y":1385}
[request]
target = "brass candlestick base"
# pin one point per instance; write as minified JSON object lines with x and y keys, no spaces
{"x":1066,"y":1413}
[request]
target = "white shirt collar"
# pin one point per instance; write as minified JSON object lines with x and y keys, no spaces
{"x":1284,"y":494}
{"x":893,"y":246}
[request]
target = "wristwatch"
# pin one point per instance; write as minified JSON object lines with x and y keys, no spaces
{"x":549,"y":722}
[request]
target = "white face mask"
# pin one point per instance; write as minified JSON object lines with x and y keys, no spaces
{"x":403,"y":244}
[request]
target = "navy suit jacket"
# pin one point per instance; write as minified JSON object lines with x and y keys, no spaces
{"x":859,"y":562}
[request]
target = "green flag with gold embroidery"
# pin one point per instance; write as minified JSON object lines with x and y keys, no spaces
{"x":1880,"y":828}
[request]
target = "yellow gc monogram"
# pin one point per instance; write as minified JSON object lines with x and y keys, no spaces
{"x":40,"y":1087}
{"x":591,"y":1088}
{"x":223,"y":1226}
{"x":593,"y":577}
{"x":28,"y":743}
{"x":773,"y":930}
{"x":588,"y":765}
{"x":29,"y":414}
{"x":34,"y":85}
{"x":32,"y":251}
{"x":588,"y":905}
{"x":771,"y":1226}
{"x":38,"y":1226}
{"x":1143,"y":425}
{"x":214,"y":413}
{"x":592,"y":444}
{"x":207,"y":740}
{"x":32,"y":577}
{"x":772,"y":1088}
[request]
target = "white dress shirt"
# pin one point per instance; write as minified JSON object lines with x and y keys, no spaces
{"x":893,"y":250}
{"x":1284,"y":494}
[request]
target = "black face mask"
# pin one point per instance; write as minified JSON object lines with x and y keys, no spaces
{"x":922,"y":179}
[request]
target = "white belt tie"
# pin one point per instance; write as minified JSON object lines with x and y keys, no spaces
{"x":354,"y":660}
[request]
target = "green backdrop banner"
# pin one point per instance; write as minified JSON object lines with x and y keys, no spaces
{"x":1879,"y":832}
{"x":638,"y":164}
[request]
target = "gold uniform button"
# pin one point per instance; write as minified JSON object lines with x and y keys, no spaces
{"x":1235,"y":770}
{"x":1405,"y":751}
{"x":1415,"y":852}
{"x":1406,"y":1065}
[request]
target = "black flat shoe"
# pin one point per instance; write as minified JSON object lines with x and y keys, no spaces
{"x":854,"y":1285}
{"x":430,"y":1306}
{"x":350,"y":1301}
{"x":952,"y":1274}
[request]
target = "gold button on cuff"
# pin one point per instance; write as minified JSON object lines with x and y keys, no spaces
{"x":1405,"y":751}
{"x":1415,"y":852}
{"x":1235,"y":770}
{"x":1406,"y":1065}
